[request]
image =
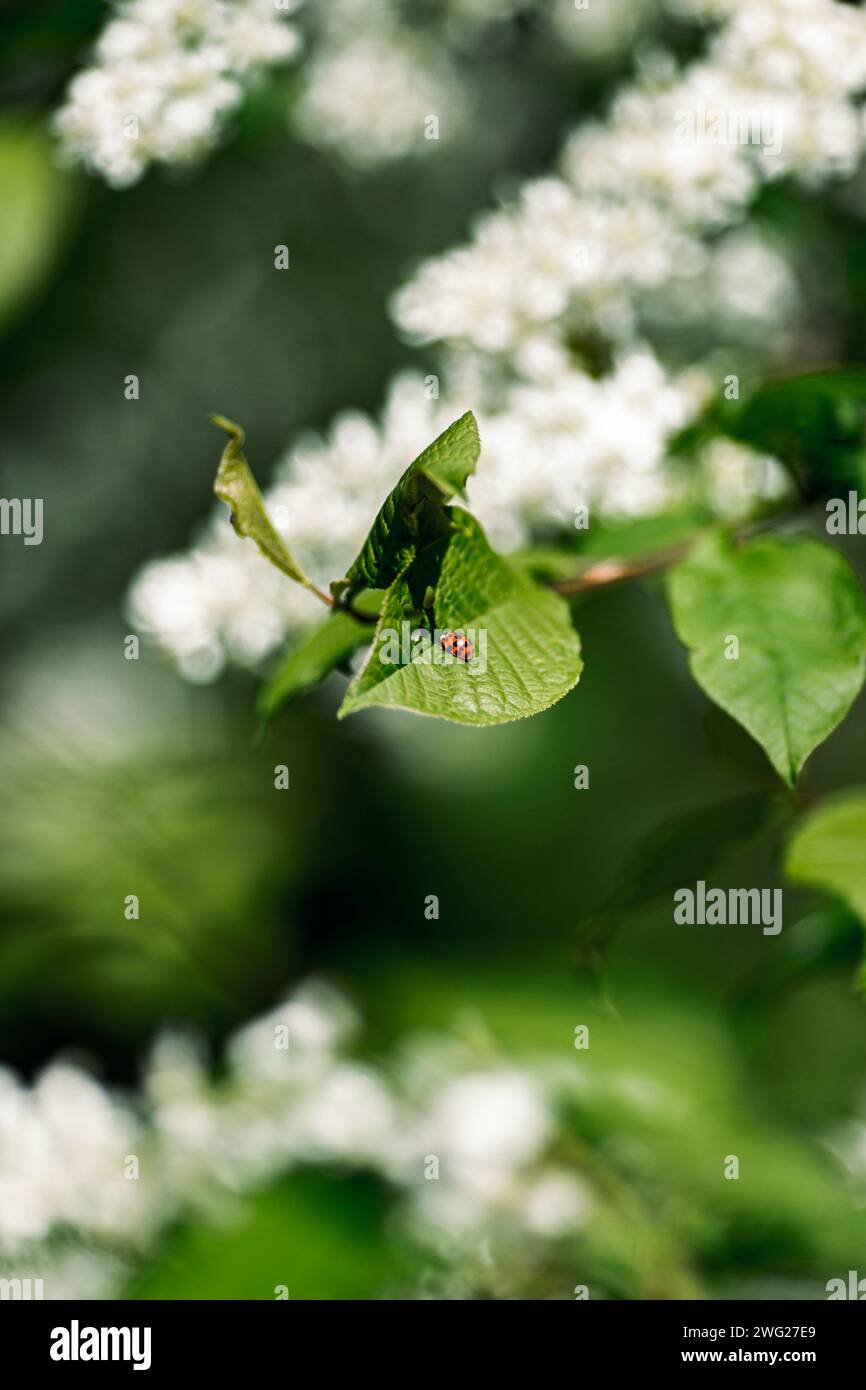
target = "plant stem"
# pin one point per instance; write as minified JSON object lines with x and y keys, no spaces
{"x":314,"y":589}
{"x":603,"y":573}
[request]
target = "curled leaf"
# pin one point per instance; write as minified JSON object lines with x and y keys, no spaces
{"x":236,"y":486}
{"x":316,"y":655}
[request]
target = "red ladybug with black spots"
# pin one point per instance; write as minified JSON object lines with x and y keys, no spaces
{"x":458,"y":645}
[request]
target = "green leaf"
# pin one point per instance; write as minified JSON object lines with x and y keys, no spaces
{"x":814,"y":422}
{"x":828,"y":849}
{"x":527,"y":654}
{"x":800,"y":620}
{"x":34,"y":213}
{"x":414,"y":514}
{"x":323,"y":1235}
{"x":687,"y":847}
{"x":236,"y":486}
{"x":315,"y":657}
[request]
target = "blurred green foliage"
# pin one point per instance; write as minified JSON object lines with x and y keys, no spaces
{"x":35,"y":201}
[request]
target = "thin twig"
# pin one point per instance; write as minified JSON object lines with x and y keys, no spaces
{"x":314,"y":589}
{"x":603,"y":573}
{"x":614,"y":571}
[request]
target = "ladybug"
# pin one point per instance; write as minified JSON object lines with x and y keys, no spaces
{"x":458,"y":645}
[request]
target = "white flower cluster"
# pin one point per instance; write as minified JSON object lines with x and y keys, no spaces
{"x":592,"y":31}
{"x":380,"y":86}
{"x":679,"y":155}
{"x":62,"y":1149}
{"x":376,"y":89}
{"x":75,"y":1159}
{"x":166,"y":74}
{"x":773,"y":96}
{"x":553,"y":259}
{"x":795,"y":54}
{"x":565,"y":441}
{"x":632,"y":233}
{"x":377,"y":76}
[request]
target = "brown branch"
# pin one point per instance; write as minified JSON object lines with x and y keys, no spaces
{"x":604,"y":573}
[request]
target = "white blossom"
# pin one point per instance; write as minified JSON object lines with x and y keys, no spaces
{"x":555,"y":1203}
{"x":641,"y":187}
{"x":378,"y":96}
{"x":641,"y":227}
{"x":165,"y":75}
{"x":736,"y":476}
{"x":63,"y":1144}
{"x":65,"y":1141}
{"x":592,"y":30}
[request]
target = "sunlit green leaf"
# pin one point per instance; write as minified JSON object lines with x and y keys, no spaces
{"x":315,"y":657}
{"x":315,"y":1236}
{"x":526,"y":652}
{"x":829,"y":848}
{"x":33,"y":210}
{"x":776,"y":631}
{"x":413,"y":514}
{"x":236,"y":486}
{"x":814,"y":422}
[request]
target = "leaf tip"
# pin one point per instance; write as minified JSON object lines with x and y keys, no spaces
{"x":470,"y":424}
{"x":467,"y":427}
{"x":222,"y":422}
